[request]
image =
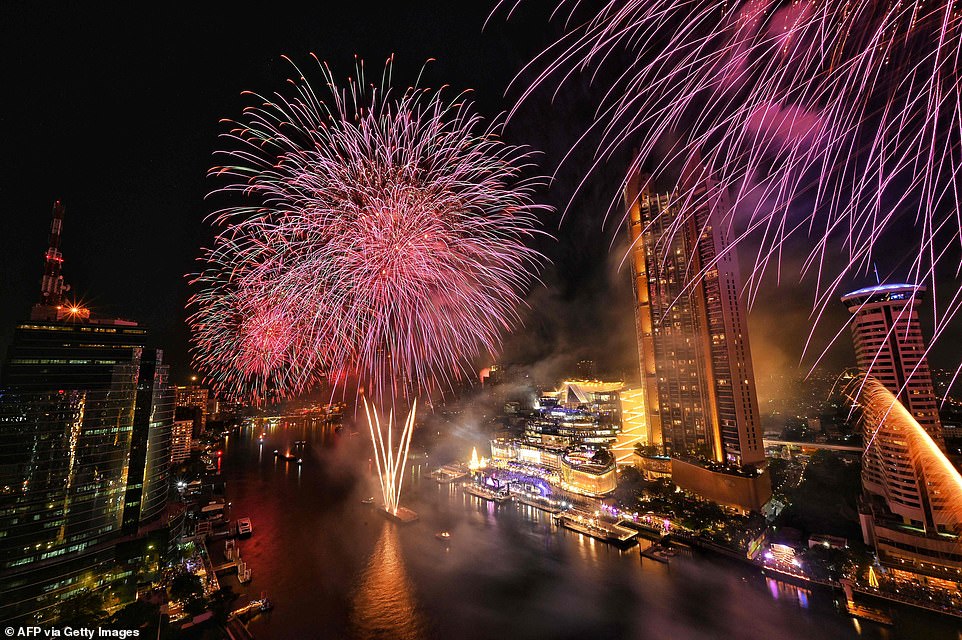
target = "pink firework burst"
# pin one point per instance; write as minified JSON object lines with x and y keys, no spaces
{"x":374,"y":232}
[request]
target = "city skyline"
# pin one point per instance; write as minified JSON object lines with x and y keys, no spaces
{"x":528,"y":319}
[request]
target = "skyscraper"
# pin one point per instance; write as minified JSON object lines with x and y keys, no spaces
{"x":148,"y":478}
{"x":911,"y":511}
{"x":889,"y":346}
{"x":691,"y":323}
{"x":180,"y":440}
{"x":84,"y":417}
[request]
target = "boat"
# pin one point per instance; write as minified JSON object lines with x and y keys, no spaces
{"x":368,"y":500}
{"x":213,"y":510}
{"x":287,"y":456}
{"x":255,"y":606}
{"x":244,"y":527}
{"x":878,"y":616}
{"x":499,"y":496}
{"x":443,"y":536}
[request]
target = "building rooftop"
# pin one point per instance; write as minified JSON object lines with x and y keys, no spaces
{"x":883,"y":290}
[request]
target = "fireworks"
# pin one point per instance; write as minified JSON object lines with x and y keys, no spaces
{"x":828,"y":119}
{"x":901,"y":459}
{"x":376,"y":235}
{"x":378,"y":238}
{"x":389,"y":458}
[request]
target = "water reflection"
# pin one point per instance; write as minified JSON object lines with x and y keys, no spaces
{"x":783,"y":591}
{"x":384,"y":604}
{"x":335,"y":569}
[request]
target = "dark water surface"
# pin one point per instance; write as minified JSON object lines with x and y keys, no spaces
{"x":337,"y":569}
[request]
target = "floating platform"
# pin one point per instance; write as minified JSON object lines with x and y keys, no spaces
{"x":487,"y":494}
{"x":611,"y":533}
{"x":450,"y":473}
{"x":871,"y":614}
{"x":543,"y":505}
{"x":403,"y":515}
{"x":659,"y":553}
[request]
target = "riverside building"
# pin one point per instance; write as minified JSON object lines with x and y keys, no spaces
{"x":694,"y":353}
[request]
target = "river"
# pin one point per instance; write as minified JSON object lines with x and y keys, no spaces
{"x":335,"y":568}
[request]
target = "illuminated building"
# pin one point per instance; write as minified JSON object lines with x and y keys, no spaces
{"x":148,"y":477}
{"x":889,"y":346}
{"x":912,"y":507}
{"x":653,"y":467}
{"x":84,"y":452}
{"x":694,"y":354}
{"x":745,"y":489}
{"x":579,"y":412}
{"x":581,"y":469}
{"x":192,"y":405}
{"x":588,"y":471}
{"x":85,"y":424}
{"x":180,"y":437}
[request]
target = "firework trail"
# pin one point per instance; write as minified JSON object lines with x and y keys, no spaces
{"x":374,"y":237}
{"x":902,"y":459}
{"x":834,"y":120}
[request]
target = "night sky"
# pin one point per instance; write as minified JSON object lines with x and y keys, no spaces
{"x":116,"y":112}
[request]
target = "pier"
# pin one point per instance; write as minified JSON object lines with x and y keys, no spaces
{"x":487,"y":494}
{"x":589,"y":525}
{"x":450,"y":473}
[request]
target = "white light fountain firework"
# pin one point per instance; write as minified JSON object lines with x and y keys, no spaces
{"x":390,"y":461}
{"x":381,"y":239}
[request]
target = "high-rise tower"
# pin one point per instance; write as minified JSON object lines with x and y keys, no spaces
{"x":889,"y":347}
{"x":692,"y":329}
{"x":911,"y":510}
{"x":85,"y":421}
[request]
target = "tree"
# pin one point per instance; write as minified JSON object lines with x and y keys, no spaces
{"x":777,"y":471}
{"x":195,"y":605}
{"x":220,"y":603}
{"x":136,"y":615}
{"x":630,"y":485}
{"x":185,"y":585}
{"x":648,"y":450}
{"x":827,"y":500}
{"x":86,"y":609}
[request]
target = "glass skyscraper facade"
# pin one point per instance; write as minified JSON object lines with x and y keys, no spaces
{"x":85,"y":415}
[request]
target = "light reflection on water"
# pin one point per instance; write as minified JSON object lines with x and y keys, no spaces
{"x":384,"y":605}
{"x":784,"y":591}
{"x":336,"y":569}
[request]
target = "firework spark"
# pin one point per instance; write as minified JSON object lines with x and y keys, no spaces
{"x":899,"y":453}
{"x":829,"y":119}
{"x":375,"y":235}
